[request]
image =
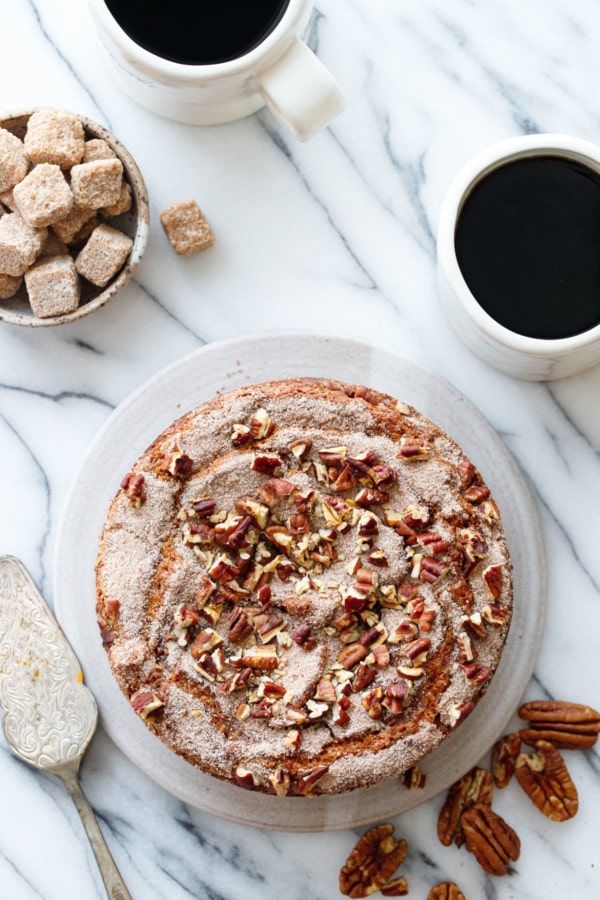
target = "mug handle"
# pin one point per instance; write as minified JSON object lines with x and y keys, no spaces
{"x":300,"y":91}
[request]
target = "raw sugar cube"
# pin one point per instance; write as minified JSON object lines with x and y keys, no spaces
{"x":69,"y":227}
{"x":43,"y":197}
{"x":54,"y":137}
{"x":53,"y":286}
{"x":13,"y":160}
{"x":20,"y":244}
{"x":122,"y":205}
{"x":9,"y":285}
{"x":96,"y":148}
{"x":97,"y":183}
{"x":186,"y":227}
{"x":103,"y":255}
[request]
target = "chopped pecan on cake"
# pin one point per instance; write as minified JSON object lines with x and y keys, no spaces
{"x":316,"y":587}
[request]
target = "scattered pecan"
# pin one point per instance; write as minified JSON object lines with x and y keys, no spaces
{"x":544,"y":776}
{"x":372,"y":863}
{"x":412,"y":450}
{"x":308,"y":780}
{"x":364,"y":676}
{"x":370,"y":497}
{"x":240,"y":628}
{"x":145,"y":702}
{"x":477,"y":493}
{"x":281,"y":782}
{"x":394,"y":695}
{"x":240,"y":435}
{"x":245,"y":778}
{"x":445,"y":890}
{"x":263,"y":656}
{"x":266,"y":463}
{"x":475,"y":674}
{"x":493,"y":842}
{"x":466,"y":471}
{"x":133,"y":485}
{"x":474,"y":787}
{"x":261,"y":426}
{"x":569,"y":726}
{"x":178,"y":464}
{"x":204,"y":508}
{"x":504,"y":757}
{"x":372,"y":703}
{"x":302,"y":635}
{"x":262,"y":710}
{"x":352,"y":654}
{"x":492,"y":577}
{"x":300,"y":448}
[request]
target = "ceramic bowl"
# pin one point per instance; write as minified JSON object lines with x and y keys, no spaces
{"x":17,"y":310}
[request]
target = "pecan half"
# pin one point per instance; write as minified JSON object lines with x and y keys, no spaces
{"x":493,"y":842}
{"x":473,"y":788}
{"x":569,"y":726}
{"x":308,"y":780}
{"x":145,"y":703}
{"x":544,"y":776}
{"x":445,"y":890}
{"x":504,"y":757}
{"x":240,"y":628}
{"x":372,"y":862}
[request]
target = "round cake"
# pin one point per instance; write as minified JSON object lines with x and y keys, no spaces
{"x":303,"y":587}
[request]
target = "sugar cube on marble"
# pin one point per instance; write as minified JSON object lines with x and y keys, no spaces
{"x":187,"y":227}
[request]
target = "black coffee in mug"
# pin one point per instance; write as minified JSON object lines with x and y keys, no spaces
{"x":198,"y":32}
{"x":528,"y":246}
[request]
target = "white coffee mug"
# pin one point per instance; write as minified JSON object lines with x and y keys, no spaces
{"x":533,"y":359}
{"x":281,"y":72}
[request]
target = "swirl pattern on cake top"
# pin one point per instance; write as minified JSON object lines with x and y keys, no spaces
{"x":303,"y":586}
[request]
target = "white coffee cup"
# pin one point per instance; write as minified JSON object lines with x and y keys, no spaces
{"x":281,"y":72}
{"x":534,"y":359}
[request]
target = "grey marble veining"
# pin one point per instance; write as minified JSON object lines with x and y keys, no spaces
{"x":337,"y":235}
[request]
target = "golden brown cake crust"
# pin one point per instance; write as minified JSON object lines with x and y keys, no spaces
{"x":303,"y":586}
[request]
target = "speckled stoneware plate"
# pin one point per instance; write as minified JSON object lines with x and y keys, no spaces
{"x":221,"y":367}
{"x":134,"y":223}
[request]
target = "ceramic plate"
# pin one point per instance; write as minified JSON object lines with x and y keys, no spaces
{"x":221,"y":367}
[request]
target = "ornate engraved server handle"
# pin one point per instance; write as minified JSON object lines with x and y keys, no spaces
{"x":49,"y":714}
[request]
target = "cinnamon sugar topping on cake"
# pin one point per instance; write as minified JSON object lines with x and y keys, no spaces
{"x":305,"y":591}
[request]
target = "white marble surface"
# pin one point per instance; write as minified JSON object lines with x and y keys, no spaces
{"x":336,"y":235}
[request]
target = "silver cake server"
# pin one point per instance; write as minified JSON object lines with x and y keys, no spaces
{"x":49,"y":715}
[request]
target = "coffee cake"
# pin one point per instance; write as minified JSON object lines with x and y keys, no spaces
{"x":303,"y":587}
